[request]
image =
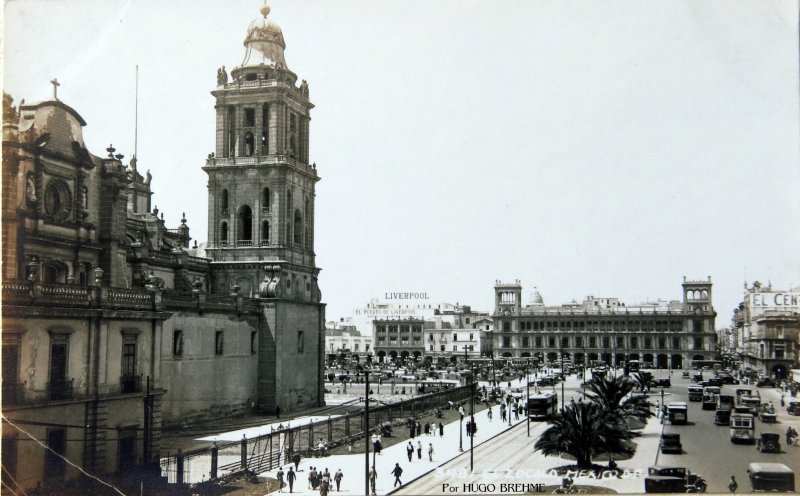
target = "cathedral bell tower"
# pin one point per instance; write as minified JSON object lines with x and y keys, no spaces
{"x":260,"y":183}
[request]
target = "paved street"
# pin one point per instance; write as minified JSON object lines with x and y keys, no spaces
{"x":709,"y":451}
{"x":506,"y":455}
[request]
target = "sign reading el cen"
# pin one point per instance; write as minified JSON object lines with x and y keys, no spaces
{"x":775,"y":300}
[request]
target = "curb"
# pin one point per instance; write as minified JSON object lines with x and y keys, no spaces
{"x":393,"y":491}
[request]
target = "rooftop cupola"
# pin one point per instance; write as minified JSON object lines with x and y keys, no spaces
{"x":264,"y":42}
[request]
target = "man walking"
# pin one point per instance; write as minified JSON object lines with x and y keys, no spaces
{"x":419,"y":449}
{"x":490,"y":414}
{"x":279,"y":476}
{"x":397,"y":472}
{"x":441,"y":429}
{"x":410,"y":451}
{"x":296,"y":460}
{"x":732,"y":485}
{"x":338,"y":478}
{"x":290,"y":477}
{"x":430,"y":452}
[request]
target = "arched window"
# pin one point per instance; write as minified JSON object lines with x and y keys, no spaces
{"x":288,"y":233}
{"x":249,"y":144}
{"x":223,"y":202}
{"x":245,"y":224}
{"x":298,"y":227}
{"x":265,"y":233}
{"x":55,"y":272}
{"x":223,"y":234}
{"x":265,"y":200}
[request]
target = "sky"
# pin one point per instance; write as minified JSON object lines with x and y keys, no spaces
{"x":604,"y":148}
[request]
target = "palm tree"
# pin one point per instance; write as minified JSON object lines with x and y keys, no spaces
{"x":613,"y":395}
{"x":583,"y":431}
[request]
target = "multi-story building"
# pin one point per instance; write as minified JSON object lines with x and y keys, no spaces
{"x":665,"y":334}
{"x":768,"y":326}
{"x":456,"y":333}
{"x":344,"y":342}
{"x":113,"y":327}
{"x":398,"y":338}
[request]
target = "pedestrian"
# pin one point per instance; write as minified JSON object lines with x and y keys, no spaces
{"x":427,"y":428}
{"x":461,"y":412}
{"x":290,"y":477}
{"x":732,"y":485}
{"x":279,"y":476}
{"x":338,"y":479}
{"x":321,"y":447}
{"x":430,"y":452}
{"x":373,"y":478}
{"x":410,"y":451}
{"x":397,"y":472}
{"x":489,"y":413}
{"x":324,"y":486}
{"x":419,"y":429}
{"x":441,"y":429}
{"x":277,"y":411}
{"x":419,"y":450}
{"x":411,"y":429}
{"x":296,"y":460}
{"x":789,"y":435}
{"x":473,"y":426}
{"x":379,"y":447}
{"x":312,"y":478}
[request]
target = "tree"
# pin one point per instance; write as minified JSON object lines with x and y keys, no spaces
{"x":613,"y":395}
{"x":583,"y":431}
{"x":642,"y":379}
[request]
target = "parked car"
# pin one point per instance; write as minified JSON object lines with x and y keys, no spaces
{"x":769,"y":443}
{"x":671,"y":443}
{"x":659,"y":479}
{"x":685,"y":374}
{"x":793,"y":408}
{"x":771,"y":477}
{"x":664,"y":383}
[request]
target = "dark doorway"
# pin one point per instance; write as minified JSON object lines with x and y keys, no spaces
{"x":54,"y":461}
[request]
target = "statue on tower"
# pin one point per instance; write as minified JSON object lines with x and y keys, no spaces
{"x":304,"y":88}
{"x":222,"y":76}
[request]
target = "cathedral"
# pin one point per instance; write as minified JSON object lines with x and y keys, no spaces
{"x":116,"y":326}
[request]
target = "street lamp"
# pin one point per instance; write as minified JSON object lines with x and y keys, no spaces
{"x":460,"y":432}
{"x":527,"y":398}
{"x":472,"y":417}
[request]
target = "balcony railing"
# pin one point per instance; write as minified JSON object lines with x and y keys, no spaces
{"x":61,"y":390}
{"x":13,"y":394}
{"x":265,"y":210}
{"x":131,"y":384}
{"x":264,"y":242}
{"x":244,"y":242}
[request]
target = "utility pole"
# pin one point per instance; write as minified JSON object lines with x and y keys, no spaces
{"x":366,"y":433}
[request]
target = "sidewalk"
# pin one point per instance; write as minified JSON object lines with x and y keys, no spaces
{"x":445,"y":449}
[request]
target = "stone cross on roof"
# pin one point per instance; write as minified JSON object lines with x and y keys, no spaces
{"x":55,"y":84}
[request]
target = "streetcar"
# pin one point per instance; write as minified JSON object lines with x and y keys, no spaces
{"x":742,"y":428}
{"x":436,"y":385}
{"x":542,"y":406}
{"x":710,"y":396}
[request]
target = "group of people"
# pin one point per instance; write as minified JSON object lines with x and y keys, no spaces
{"x":416,"y":429}
{"x":316,"y":480}
{"x":410,"y":451}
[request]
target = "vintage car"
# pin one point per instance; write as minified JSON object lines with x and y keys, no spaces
{"x":678,"y":412}
{"x":662,"y":479}
{"x":793,"y":408}
{"x":769,"y":442}
{"x":663,"y":383}
{"x":671,"y":443}
{"x":766,"y":412}
{"x":771,"y":477}
{"x":685,"y":374}
{"x":722,"y":417}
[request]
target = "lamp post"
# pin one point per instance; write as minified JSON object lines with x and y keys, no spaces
{"x":460,"y":433}
{"x":527,"y":398}
{"x":472,"y":418}
{"x":561,"y":346}
{"x":366,"y":433}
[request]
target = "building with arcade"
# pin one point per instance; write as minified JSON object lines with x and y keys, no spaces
{"x":664,"y":334}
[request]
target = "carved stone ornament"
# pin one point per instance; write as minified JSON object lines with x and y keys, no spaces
{"x":58,"y":200}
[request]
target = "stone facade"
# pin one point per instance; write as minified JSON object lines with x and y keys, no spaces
{"x":767,"y":326}
{"x":113,"y":326}
{"x":663,"y":334}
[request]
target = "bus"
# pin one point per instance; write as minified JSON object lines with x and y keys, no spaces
{"x":742,"y":428}
{"x":695,"y":393}
{"x":750,"y":402}
{"x":710,"y":396}
{"x":542,"y":406}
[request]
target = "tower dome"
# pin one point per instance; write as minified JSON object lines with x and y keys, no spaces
{"x":264,"y":42}
{"x":536,"y":297}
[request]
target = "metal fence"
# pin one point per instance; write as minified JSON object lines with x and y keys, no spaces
{"x":269,"y":451}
